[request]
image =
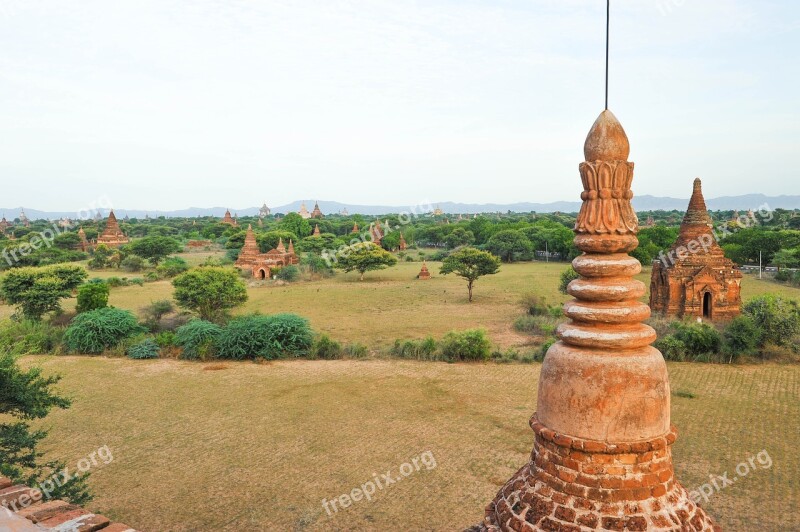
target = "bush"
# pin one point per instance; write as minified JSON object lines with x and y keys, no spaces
{"x":543,"y":350}
{"x":198,"y":339}
{"x":699,"y":338}
{"x":535,"y":305}
{"x":288,"y":273}
{"x":465,"y":345}
{"x":132,"y":263}
{"x":742,"y":337}
{"x":268,"y":337}
{"x":165,"y":339}
{"x":28,"y":337}
{"x":776,"y":317}
{"x":156,"y":310}
{"x":326,"y":349}
{"x":138,"y":281}
{"x":115,"y":282}
{"x":97,"y":330}
{"x":172,"y":267}
{"x":424,"y":349}
{"x":151,"y":277}
{"x":92,"y":295}
{"x":147,"y":348}
{"x":567,"y":276}
{"x":356,"y":350}
{"x":535,"y":325}
{"x":671,"y":348}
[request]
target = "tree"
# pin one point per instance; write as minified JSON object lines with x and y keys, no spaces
{"x":567,"y":276}
{"x":37,"y":291}
{"x":294,"y":223}
{"x":507,"y":243}
{"x":471,"y":264}
{"x":26,"y":395}
{"x":786,"y":258}
{"x":92,"y":295}
{"x":364,"y":257}
{"x":209,"y":291}
{"x":459,"y":237}
{"x":154,"y":248}
{"x":269,"y":240}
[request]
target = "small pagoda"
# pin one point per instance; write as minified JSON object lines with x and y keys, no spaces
{"x":262,"y":264}
{"x":424,"y":274}
{"x":354,"y":231}
{"x":402,"y":245}
{"x":316,"y":231}
{"x":303,"y":212}
{"x":112,"y":236}
{"x":316,"y":213}
{"x":694,"y":278}
{"x":228,"y":219}
{"x":83,"y":242}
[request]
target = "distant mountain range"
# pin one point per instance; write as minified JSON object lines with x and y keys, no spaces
{"x":640,"y":203}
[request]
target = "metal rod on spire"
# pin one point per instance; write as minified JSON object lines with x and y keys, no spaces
{"x":608,"y":25}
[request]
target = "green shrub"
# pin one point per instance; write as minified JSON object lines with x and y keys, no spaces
{"x":132,"y":263}
{"x":156,"y":310}
{"x":97,"y":330}
{"x":471,"y":344}
{"x":198,"y":339}
{"x":535,"y":325}
{"x":325,"y":348}
{"x":742,"y":336}
{"x":165,"y":339}
{"x":138,"y":281}
{"x":699,"y":338}
{"x":28,"y":337}
{"x":171,"y":267}
{"x":535,"y":305}
{"x":288,"y":273}
{"x":147,"y":348}
{"x":92,"y":295}
{"x":567,"y":276}
{"x":150,"y":277}
{"x":671,"y":348}
{"x":424,"y":349}
{"x":267,"y":337}
{"x":543,"y":350}
{"x":356,"y":350}
{"x":776,"y":317}
{"x":115,"y":282}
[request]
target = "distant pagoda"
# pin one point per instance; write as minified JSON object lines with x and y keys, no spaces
{"x":316,"y":213}
{"x":228,"y":219}
{"x":112,"y":236}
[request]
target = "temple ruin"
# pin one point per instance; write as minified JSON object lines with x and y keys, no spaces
{"x":228,"y":219}
{"x":262,"y":264}
{"x":694,"y":278}
{"x":112,"y":236}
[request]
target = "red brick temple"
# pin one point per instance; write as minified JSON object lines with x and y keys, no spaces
{"x":262,"y":264}
{"x":112,"y":236}
{"x":602,"y":450}
{"x":694,"y":278}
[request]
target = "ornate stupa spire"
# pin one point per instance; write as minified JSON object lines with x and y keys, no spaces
{"x":281,"y":248}
{"x":316,"y":231}
{"x":291,"y":248}
{"x":602,"y":453}
{"x":250,"y":251}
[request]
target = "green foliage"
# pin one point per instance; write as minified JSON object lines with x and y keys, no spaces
{"x":271,"y":239}
{"x":470,"y":264}
{"x":198,"y":339}
{"x":567,"y":276}
{"x":156,"y":310}
{"x":37,"y":291}
{"x":742,"y":336}
{"x":154,"y":248}
{"x":26,"y":395}
{"x":288,"y":273}
{"x":510,"y":244}
{"x":132,"y":263}
{"x":425,"y":349}
{"x":316,"y":264}
{"x":209,"y":291}
{"x":27,"y":337}
{"x":459,"y":237}
{"x":355,"y":350}
{"x":325,"y":348}
{"x":92,"y":295}
{"x":165,"y":339}
{"x":171,"y":267}
{"x":671,"y":348}
{"x":465,"y":345}
{"x":269,"y":337}
{"x":776,"y":317}
{"x":97,"y":330}
{"x":147,"y":348}
{"x":295,"y":224}
{"x":364,"y":257}
{"x":102,"y":257}
{"x":690,"y":341}
{"x":536,"y":325}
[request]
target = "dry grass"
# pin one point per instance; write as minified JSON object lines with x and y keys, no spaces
{"x":257,"y":447}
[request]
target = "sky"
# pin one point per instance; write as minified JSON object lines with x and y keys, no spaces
{"x":158,"y":104}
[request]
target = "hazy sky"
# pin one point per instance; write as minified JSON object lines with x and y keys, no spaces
{"x":160,"y":104}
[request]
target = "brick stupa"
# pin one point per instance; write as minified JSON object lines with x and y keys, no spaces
{"x":601,"y":455}
{"x":316,"y":213}
{"x":694,"y":278}
{"x":316,"y":231}
{"x":424,"y":274}
{"x":112,"y":236}
{"x":228,"y":219}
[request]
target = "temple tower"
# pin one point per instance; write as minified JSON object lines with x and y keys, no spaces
{"x":602,"y":451}
{"x":694,"y":278}
{"x":316,"y":230}
{"x":112,"y":236}
{"x":250,"y":251}
{"x":424,"y":274}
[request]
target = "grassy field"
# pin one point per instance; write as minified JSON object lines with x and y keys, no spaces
{"x":259,"y":446}
{"x":391,"y":304}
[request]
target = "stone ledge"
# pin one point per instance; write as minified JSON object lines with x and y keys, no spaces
{"x":36,"y":515}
